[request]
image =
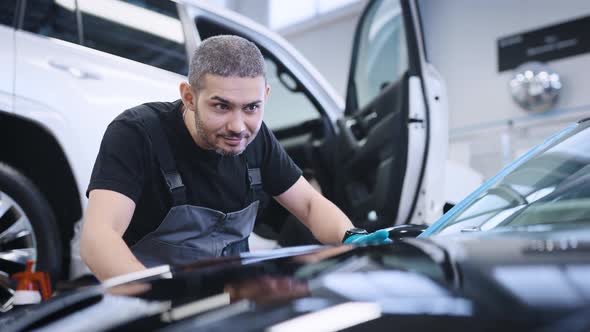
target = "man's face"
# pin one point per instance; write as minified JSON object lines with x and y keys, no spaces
{"x":228,"y":112}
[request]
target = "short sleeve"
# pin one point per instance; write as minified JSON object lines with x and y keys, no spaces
{"x":279,"y":171}
{"x":122,"y":160}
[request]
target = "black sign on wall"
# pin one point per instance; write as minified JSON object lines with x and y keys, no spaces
{"x":545,"y":44}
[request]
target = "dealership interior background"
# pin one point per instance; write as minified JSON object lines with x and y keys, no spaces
{"x":452,"y":134}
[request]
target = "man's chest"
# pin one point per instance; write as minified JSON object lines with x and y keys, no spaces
{"x":221,"y":185}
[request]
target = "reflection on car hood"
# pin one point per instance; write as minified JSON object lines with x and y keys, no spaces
{"x":461,"y":283}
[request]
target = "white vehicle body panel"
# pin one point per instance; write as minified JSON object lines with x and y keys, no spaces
{"x":78,"y":113}
{"x":427,"y":141}
{"x":417,"y":137}
{"x":7,"y":75}
{"x":432,"y":195}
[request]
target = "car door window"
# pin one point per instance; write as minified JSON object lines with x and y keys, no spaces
{"x":7,"y":8}
{"x":150,"y":32}
{"x":56,"y":19}
{"x":286,"y":106}
{"x":382,"y":52}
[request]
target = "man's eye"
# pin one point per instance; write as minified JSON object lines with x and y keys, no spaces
{"x":221,"y":106}
{"x":252,"y":108}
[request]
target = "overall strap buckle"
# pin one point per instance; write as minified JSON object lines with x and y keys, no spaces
{"x":176,"y":187}
{"x":255,"y":178}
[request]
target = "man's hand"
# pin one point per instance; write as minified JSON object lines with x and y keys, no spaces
{"x":379,"y":237}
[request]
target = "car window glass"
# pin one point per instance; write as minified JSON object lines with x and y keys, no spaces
{"x":382,"y":51}
{"x":486,"y":204}
{"x":7,"y":8}
{"x":56,"y":19}
{"x":163,"y":7}
{"x":285,"y":107}
{"x":550,"y":188}
{"x":147,"y":33}
{"x":483,"y":210}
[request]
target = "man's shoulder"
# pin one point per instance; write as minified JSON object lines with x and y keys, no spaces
{"x":263,"y":138}
{"x":255,"y":151}
{"x":139,"y":113}
{"x":266,"y":134}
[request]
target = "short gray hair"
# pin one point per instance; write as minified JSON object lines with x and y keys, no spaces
{"x":226,"y":56}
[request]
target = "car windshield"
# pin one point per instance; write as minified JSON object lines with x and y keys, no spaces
{"x":549,"y":185}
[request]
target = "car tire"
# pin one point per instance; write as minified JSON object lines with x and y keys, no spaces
{"x":21,"y":201}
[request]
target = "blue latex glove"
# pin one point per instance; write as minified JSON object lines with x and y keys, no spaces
{"x":379,"y":237}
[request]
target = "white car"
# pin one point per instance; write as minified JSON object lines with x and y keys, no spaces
{"x":69,"y":67}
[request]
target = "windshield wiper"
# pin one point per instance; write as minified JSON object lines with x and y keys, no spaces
{"x":471,"y":229}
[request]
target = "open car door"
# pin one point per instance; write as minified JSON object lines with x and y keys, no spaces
{"x":395,"y":123}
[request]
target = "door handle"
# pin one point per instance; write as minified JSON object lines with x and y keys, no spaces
{"x":74,"y":71}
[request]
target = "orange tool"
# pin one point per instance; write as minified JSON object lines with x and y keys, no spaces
{"x":33,"y":281}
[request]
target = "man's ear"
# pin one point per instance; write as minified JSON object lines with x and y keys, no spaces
{"x":187,"y":95}
{"x":267,"y":92}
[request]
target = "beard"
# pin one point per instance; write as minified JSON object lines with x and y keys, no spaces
{"x":208,"y":138}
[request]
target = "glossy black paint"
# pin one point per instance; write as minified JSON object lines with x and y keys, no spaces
{"x":473,"y":282}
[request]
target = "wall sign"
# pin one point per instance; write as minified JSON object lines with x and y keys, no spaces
{"x":545,"y":44}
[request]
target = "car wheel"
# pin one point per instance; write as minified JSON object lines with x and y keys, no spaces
{"x":28,"y":231}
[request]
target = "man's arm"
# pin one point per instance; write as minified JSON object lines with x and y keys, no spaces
{"x":102,"y":247}
{"x":325,"y":220}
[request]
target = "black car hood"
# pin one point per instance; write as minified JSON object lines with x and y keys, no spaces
{"x":462,"y":283}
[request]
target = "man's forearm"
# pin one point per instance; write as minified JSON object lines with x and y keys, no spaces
{"x":326,"y":221}
{"x":106,"y":254}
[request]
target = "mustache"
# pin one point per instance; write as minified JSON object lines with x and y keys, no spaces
{"x":235,"y":135}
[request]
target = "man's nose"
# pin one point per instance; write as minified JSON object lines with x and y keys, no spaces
{"x":236,"y":123}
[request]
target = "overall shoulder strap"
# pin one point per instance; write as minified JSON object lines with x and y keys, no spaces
{"x":253,"y":163}
{"x":254,"y":175}
{"x":161,"y":148}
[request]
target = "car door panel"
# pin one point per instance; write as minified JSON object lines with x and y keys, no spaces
{"x":366,"y":133}
{"x":384,"y":134}
{"x":372,"y":156}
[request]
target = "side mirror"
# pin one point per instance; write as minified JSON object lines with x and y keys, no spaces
{"x":405,"y":231}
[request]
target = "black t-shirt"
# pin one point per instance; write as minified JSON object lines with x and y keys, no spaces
{"x":127,"y":164}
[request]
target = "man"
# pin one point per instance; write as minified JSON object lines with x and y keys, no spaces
{"x":176,"y":182}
